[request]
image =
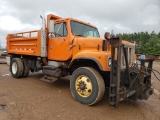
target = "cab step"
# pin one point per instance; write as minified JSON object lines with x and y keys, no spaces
{"x":49,"y":79}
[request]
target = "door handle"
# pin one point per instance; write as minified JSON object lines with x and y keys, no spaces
{"x":71,"y":47}
{"x":51,"y":47}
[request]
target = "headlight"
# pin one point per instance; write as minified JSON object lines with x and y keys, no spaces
{"x":109,"y":62}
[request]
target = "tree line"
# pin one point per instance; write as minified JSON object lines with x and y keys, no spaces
{"x":146,"y":43}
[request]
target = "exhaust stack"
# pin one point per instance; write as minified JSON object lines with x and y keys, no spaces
{"x":43,"y":38}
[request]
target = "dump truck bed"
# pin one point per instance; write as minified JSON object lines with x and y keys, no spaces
{"x":24,"y":43}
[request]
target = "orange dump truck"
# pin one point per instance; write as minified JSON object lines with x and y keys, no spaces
{"x":67,"y":46}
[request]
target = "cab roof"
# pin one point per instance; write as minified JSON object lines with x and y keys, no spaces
{"x":70,"y":19}
{"x":59,"y":19}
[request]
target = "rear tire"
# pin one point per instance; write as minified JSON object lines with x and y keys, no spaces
{"x":87,"y":85}
{"x":16,"y":67}
{"x":26,"y":69}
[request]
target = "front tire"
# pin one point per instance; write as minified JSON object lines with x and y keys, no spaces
{"x":16,"y":67}
{"x":87,"y":85}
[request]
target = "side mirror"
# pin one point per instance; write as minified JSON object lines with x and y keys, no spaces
{"x":51,"y":28}
{"x":107,"y":35}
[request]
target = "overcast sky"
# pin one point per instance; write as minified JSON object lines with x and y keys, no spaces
{"x":123,"y":16}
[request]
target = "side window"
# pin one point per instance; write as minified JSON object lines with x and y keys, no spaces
{"x":91,"y":33}
{"x":61,"y":29}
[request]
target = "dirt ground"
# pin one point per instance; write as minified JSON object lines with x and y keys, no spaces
{"x":33,"y":99}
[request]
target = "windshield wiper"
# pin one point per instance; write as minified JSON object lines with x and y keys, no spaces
{"x":80,"y":35}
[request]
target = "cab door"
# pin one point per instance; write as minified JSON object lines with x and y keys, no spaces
{"x":58,"y":48}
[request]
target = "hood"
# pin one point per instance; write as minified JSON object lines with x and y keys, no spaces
{"x":127,"y":43}
{"x":89,"y":42}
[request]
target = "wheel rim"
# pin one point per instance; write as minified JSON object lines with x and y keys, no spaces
{"x":14,"y":68}
{"x":83,"y":86}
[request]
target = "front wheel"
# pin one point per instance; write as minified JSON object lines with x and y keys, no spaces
{"x":87,"y":85}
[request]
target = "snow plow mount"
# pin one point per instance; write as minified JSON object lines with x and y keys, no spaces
{"x":131,"y":81}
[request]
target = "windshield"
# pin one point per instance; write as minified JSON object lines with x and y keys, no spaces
{"x":79,"y":29}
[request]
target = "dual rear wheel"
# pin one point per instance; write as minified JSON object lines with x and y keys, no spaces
{"x":19,"y":68}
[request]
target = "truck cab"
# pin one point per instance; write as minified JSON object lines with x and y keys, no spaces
{"x":67,"y":32}
{"x":74,"y":39}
